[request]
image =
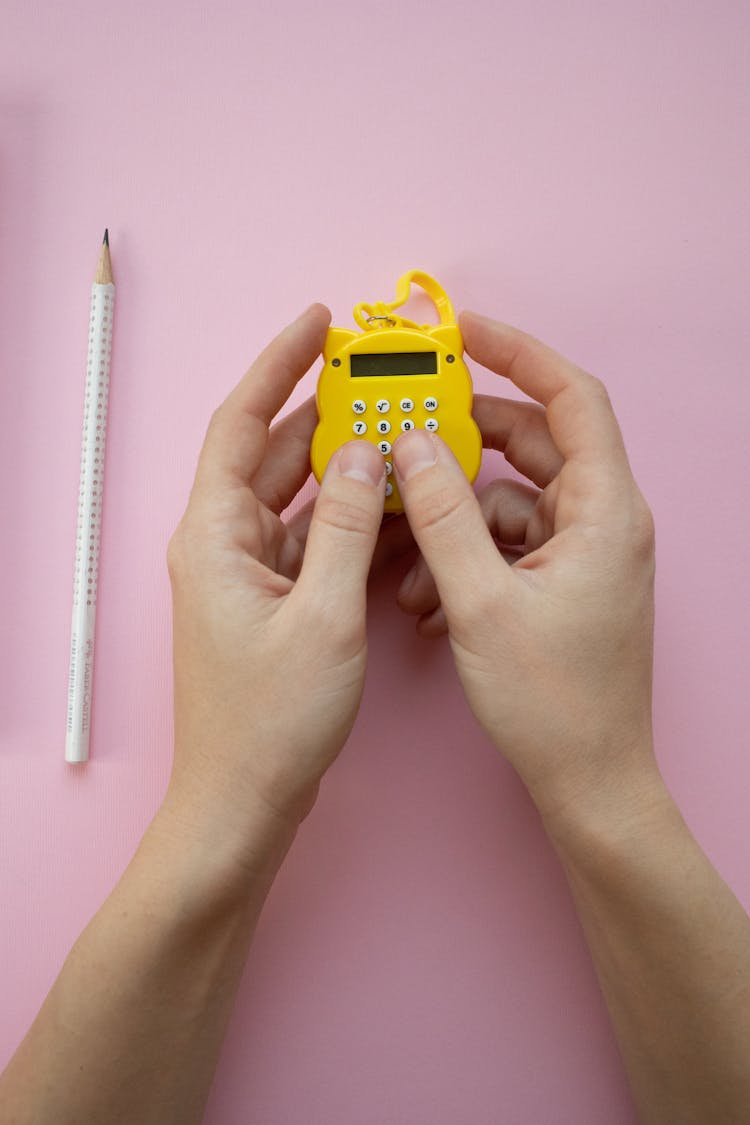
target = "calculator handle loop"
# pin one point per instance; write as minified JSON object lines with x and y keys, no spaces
{"x":381,"y":315}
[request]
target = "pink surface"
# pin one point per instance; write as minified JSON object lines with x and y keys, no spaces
{"x":579,"y":169}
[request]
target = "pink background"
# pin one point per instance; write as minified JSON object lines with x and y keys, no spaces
{"x":580,"y":169}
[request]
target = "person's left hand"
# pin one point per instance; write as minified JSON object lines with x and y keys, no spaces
{"x":269,"y":617}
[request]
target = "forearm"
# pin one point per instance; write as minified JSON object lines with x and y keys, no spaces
{"x":671,"y":947}
{"x":132,"y":1028}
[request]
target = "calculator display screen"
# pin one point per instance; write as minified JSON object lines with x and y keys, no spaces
{"x":394,"y":363}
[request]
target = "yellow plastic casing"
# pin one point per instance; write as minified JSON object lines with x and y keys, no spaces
{"x":386,"y":334}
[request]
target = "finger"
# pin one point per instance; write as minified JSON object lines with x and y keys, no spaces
{"x":289,"y":555}
{"x":299,"y":525}
{"x":342,"y":533}
{"x":394,"y":540}
{"x":447,"y":523}
{"x":432,"y":621}
{"x":507,"y":507}
{"x":520,"y":431}
{"x":579,"y":414}
{"x":418,"y":593}
{"x":237,"y":435}
{"x":286,"y":465}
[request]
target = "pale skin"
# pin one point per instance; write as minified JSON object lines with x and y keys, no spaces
{"x":546,"y":593}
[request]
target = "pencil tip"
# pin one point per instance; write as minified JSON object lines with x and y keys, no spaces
{"x":105,"y":240}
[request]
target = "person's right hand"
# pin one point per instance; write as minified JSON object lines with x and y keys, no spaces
{"x":555,"y":651}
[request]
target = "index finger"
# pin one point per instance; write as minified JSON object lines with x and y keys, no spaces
{"x":236,"y":440}
{"x":579,"y":414}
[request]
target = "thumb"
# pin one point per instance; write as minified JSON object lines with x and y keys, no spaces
{"x":447,"y":523}
{"x":344,"y":529}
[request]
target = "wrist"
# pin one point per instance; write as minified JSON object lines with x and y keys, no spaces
{"x":231,"y":852}
{"x":610,"y":815}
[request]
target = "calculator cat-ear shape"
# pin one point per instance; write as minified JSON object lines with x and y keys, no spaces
{"x":336,"y":340}
{"x":448,"y":335}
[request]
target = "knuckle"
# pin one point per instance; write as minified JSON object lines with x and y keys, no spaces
{"x":183,"y":551}
{"x":343,"y":515}
{"x":596,"y":389}
{"x":176,"y":554}
{"x":492,"y":501}
{"x":214,"y":422}
{"x":524,"y":431}
{"x":439,"y":507}
{"x":495,"y":492}
{"x":644,"y":528}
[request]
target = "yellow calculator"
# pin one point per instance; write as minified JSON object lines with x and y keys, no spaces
{"x":393,"y":376}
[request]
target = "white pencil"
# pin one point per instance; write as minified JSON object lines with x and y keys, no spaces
{"x":90,"y":510}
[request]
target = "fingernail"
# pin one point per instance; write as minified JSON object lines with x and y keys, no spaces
{"x":360,"y":460}
{"x":413,"y":452}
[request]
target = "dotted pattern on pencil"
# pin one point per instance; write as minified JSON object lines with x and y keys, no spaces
{"x":92,"y":447}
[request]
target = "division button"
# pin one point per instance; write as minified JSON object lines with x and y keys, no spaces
{"x":431,"y":424}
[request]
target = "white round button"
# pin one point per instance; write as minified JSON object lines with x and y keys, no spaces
{"x":407,"y":405}
{"x":359,"y":406}
{"x":407,"y":424}
{"x":388,"y":488}
{"x":383,"y":405}
{"x":384,"y":447}
{"x":384,"y":426}
{"x":430,"y":404}
{"x":360,"y":427}
{"x":431,"y":424}
{"x":388,"y":468}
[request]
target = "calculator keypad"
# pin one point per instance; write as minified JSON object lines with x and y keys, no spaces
{"x":405,"y":414}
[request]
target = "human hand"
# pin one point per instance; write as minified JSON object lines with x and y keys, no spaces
{"x":269,"y":618}
{"x":555,"y":651}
